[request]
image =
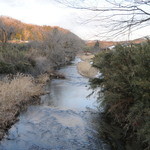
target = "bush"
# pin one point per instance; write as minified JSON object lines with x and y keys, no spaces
{"x":6,"y":67}
{"x":13,"y":60}
{"x":125,"y":87}
{"x":21,"y":87}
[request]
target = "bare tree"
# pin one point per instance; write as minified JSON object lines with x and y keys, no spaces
{"x":117,"y":16}
{"x":7,"y":29}
{"x":61,"y":47}
{"x":57,"y":48}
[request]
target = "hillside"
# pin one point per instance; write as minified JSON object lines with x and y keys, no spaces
{"x":33,"y":48}
{"x":20,"y":31}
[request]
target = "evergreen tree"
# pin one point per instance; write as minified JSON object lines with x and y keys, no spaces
{"x":97,"y":46}
{"x":125,"y":88}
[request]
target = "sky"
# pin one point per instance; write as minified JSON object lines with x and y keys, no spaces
{"x":49,"y":12}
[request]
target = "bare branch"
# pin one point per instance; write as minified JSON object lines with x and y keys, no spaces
{"x":118,"y":16}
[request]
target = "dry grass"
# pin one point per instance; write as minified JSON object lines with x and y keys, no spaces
{"x":20,"y":88}
{"x":87,"y":57}
{"x":14,"y":95}
{"x":42,"y":79}
{"x":85,"y":69}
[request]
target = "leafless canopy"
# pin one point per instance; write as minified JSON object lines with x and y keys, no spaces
{"x":117,"y":16}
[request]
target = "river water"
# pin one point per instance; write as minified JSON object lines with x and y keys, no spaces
{"x":63,"y":120}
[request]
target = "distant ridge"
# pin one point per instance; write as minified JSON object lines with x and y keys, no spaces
{"x":105,"y":44}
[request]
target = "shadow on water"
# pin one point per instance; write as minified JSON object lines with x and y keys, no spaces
{"x":63,"y":121}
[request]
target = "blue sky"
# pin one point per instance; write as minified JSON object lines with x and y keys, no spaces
{"x":48,"y":12}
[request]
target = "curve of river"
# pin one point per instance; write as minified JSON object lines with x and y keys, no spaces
{"x":63,"y":121}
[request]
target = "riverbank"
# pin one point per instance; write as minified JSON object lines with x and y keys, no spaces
{"x":17,"y":92}
{"x":85,"y":68}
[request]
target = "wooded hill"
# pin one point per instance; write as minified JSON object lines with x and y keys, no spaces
{"x":12,"y":29}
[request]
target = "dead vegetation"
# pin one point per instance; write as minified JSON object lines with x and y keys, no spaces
{"x":85,"y":68}
{"x":42,"y":79}
{"x":86,"y":57}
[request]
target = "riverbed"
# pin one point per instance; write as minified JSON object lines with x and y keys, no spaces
{"x":63,"y":121}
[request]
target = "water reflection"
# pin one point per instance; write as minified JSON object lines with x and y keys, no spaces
{"x":70,"y":93}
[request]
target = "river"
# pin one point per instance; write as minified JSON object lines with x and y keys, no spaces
{"x":63,"y":120}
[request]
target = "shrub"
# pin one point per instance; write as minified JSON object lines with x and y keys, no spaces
{"x":6,"y":67}
{"x":20,"y":88}
{"x":125,"y":87}
{"x":13,"y":60}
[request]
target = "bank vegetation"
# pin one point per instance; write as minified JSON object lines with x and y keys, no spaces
{"x":124,"y":91}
